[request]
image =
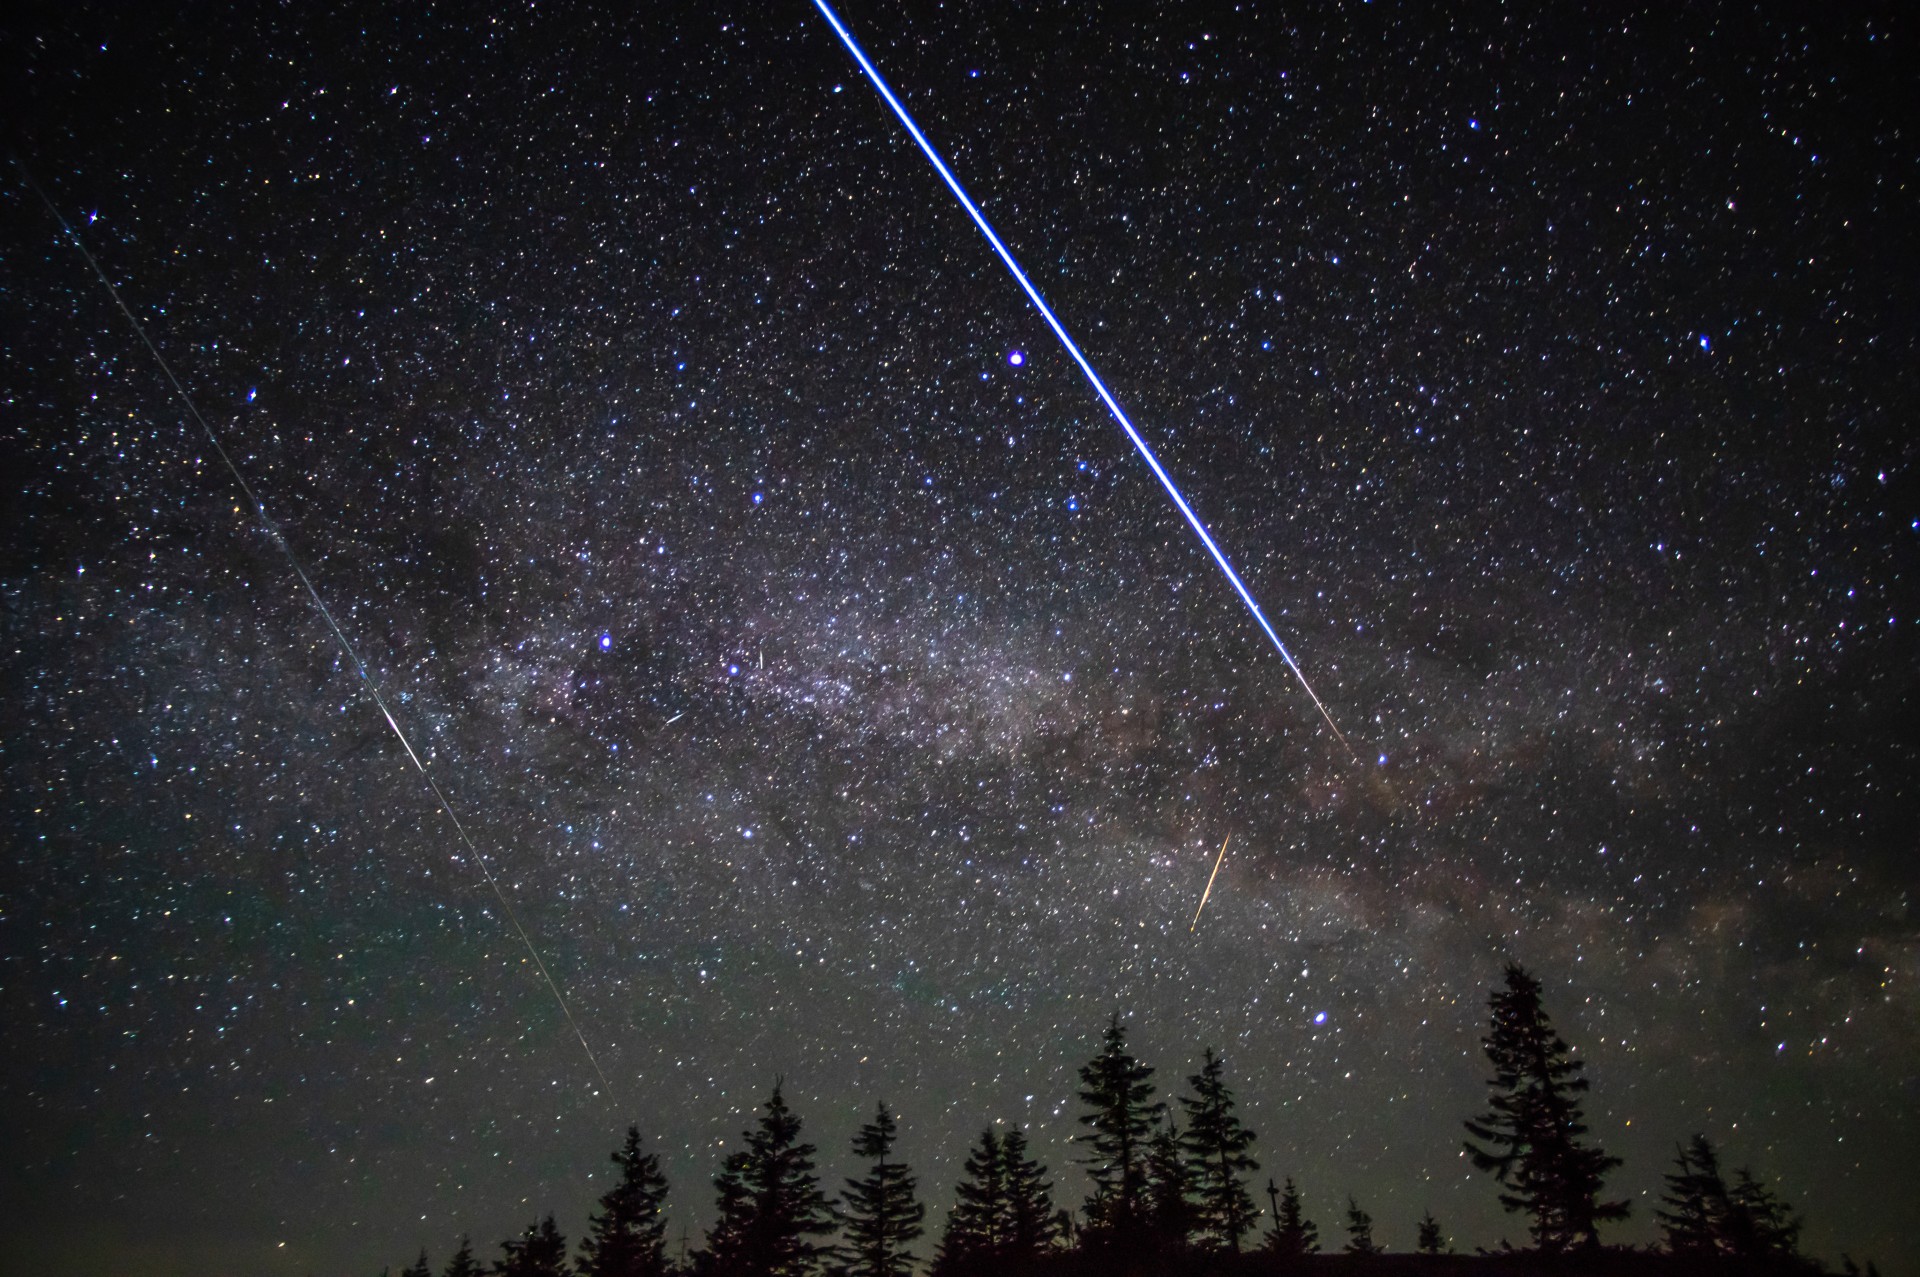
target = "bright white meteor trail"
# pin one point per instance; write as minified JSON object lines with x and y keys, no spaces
{"x":347,"y":649}
{"x":1093,"y":378}
{"x":1217,"y":861}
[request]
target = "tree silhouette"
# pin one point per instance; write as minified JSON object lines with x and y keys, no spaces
{"x":463,"y":1264}
{"x":629,"y":1237}
{"x":1216,"y":1146}
{"x":769,"y":1202}
{"x":1170,"y":1210}
{"x":1699,"y":1210}
{"x":1033,"y":1226}
{"x":1121,"y":1113}
{"x":1293,"y":1234}
{"x":1530,"y":1138}
{"x":979,"y":1223}
{"x":419,"y":1267}
{"x":1430,"y":1241}
{"x":540,"y":1252}
{"x":1759,"y":1223}
{"x":1359,"y":1230}
{"x":1003,"y":1216}
{"x":883,"y":1215}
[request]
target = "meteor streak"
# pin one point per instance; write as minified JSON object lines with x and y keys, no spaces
{"x":1073,"y":350}
{"x":1217,"y":860}
{"x":347,"y":649}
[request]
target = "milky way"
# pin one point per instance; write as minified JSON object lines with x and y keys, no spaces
{"x":833,"y":691}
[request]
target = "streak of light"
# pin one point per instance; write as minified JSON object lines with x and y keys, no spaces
{"x":379,"y":699}
{"x":1086,"y":367}
{"x":1217,"y":862}
{"x":676,"y":718}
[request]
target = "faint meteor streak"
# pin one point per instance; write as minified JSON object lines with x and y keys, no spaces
{"x":1093,"y":378}
{"x":1217,"y":861}
{"x":346,"y":646}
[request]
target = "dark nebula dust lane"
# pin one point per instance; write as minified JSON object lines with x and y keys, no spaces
{"x":835,"y":694}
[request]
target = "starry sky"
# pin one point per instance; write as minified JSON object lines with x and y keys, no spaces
{"x":839,"y":698}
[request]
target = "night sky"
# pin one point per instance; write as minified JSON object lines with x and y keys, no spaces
{"x":839,"y":699}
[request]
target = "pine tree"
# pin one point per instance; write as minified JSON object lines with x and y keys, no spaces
{"x":629,"y":1237}
{"x":1431,"y":1240}
{"x":1359,"y":1230}
{"x":1760,"y":1224}
{"x":1121,"y":1113}
{"x":978,"y":1222}
{"x":1293,"y":1234}
{"x":1216,"y":1145}
{"x":1700,"y":1211}
{"x":883,"y":1215}
{"x":1004,"y":1215}
{"x":540,"y":1252}
{"x":463,"y":1264}
{"x":419,"y":1267}
{"x":1170,"y":1210}
{"x":1531,"y":1136}
{"x":769,"y":1203}
{"x":1033,"y":1226}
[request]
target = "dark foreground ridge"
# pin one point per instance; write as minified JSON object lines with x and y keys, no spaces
{"x":1606,"y":1262}
{"x":1174,"y":1195}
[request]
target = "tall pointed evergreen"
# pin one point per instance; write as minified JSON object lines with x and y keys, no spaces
{"x":979,"y":1223}
{"x":629,"y":1237}
{"x":770,"y":1205}
{"x":1359,"y":1230}
{"x":883,"y":1215}
{"x":1003,"y":1215}
{"x":1121,"y":1111}
{"x":1530,"y":1137}
{"x":1216,"y":1146}
{"x":1695,"y":1207}
{"x":1170,"y":1210}
{"x":1293,"y":1234}
{"x":1760,"y":1224}
{"x":463,"y":1264}
{"x":540,"y":1252}
{"x":1430,"y":1240}
{"x":1033,"y":1226}
{"x":419,"y":1267}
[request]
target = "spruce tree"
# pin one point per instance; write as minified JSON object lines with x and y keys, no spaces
{"x":1004,"y":1215}
{"x":463,"y":1264}
{"x":1359,"y":1230}
{"x":1170,"y":1211}
{"x":629,"y":1237}
{"x":980,"y":1222}
{"x":1033,"y":1226}
{"x":1121,"y":1112}
{"x":419,"y":1267}
{"x":1698,"y":1211}
{"x":769,"y":1203}
{"x":1293,"y":1234}
{"x":1216,"y":1145}
{"x":1759,"y":1223}
{"x":1430,"y":1241}
{"x":883,"y":1215}
{"x":1530,"y":1138}
{"x":540,"y":1252}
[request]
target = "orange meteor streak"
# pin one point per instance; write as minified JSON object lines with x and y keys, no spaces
{"x":1217,"y":860}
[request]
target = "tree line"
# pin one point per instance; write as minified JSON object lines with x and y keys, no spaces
{"x":1173,"y":1189}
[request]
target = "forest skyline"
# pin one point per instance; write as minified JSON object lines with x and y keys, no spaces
{"x":1158,"y":1190}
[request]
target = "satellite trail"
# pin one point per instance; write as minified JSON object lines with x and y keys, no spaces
{"x":1093,"y":378}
